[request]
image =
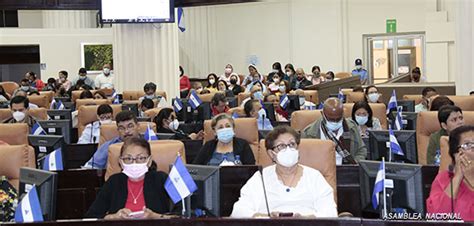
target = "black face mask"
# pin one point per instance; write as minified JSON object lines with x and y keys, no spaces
{"x":233,"y":81}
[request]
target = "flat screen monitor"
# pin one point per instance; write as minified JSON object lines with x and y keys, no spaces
{"x":294,"y":104}
{"x":407,"y":191}
{"x":46,"y":185}
{"x":131,"y":107}
{"x":407,"y":105}
{"x":408,"y":120}
{"x":63,"y":99}
{"x":45,"y":144}
{"x":58,"y":127}
{"x":137,"y":11}
{"x":270,"y":109}
{"x":203,"y":112}
{"x":164,"y":136}
{"x":186,"y":114}
{"x":379,"y":144}
{"x":207,"y":196}
{"x":60,"y":114}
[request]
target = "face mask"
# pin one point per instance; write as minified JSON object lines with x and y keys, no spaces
{"x":212,"y":81}
{"x":225,"y":135}
{"x":106,"y":71}
{"x":302,"y":100}
{"x":373,"y":97}
{"x":62,"y":79}
{"x":106,"y":121}
{"x":289,"y":73}
{"x":258,"y":95}
{"x":262,"y":114}
{"x":82,"y":77}
{"x":228,"y":70}
{"x":150,"y":96}
{"x":329,"y":79}
{"x":282,"y":89}
{"x":276,"y":80}
{"x":333,"y":126}
{"x":174,"y":124}
{"x":19,"y":116}
{"x":233,"y":81}
{"x":317,"y":74}
{"x":288,"y":157}
{"x":358,"y":67}
{"x":25,"y":88}
{"x":135,"y":170}
{"x":361,"y":120}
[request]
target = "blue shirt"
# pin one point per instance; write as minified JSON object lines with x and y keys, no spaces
{"x":265,"y":124}
{"x":99,"y":160}
{"x":363,"y":75}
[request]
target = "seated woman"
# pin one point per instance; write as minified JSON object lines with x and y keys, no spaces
{"x":139,"y":187}
{"x":167,"y":122}
{"x":372,"y":94}
{"x":280,"y":113}
{"x":275,"y":84}
{"x":226,"y":146}
{"x":222,"y":86}
{"x":99,"y":95}
{"x":461,"y":151}
{"x":212,"y":82}
{"x":290,"y":187}
{"x":235,"y":85}
{"x":254,"y":109}
{"x":363,"y":116}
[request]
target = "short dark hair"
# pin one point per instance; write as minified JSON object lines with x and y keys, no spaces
{"x":149,"y":86}
{"x":86,"y":94}
{"x":426,"y":90}
{"x":82,"y":70}
{"x":162,"y":115}
{"x":445,"y":111}
{"x":416,"y":70}
{"x":248,"y":107}
{"x":148,"y":103}
{"x":25,"y":80}
{"x":19,"y":100}
{"x":101,"y":93}
{"x":276,"y":132}
{"x":104,"y":109}
{"x":331,"y":74}
{"x":64,"y":73}
{"x":366,"y":106}
{"x":219,"y":117}
{"x":125,"y":116}
{"x":218,"y":97}
{"x":30,"y":73}
{"x":181,"y":71}
{"x":34,"y":92}
{"x":316,"y":67}
{"x":358,"y":89}
{"x":455,"y":138}
{"x":440,"y":101}
{"x":51,"y":80}
{"x":141,"y":142}
{"x":291,"y":67}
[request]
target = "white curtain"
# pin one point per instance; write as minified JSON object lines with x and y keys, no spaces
{"x":71,"y":19}
{"x":464,"y":46}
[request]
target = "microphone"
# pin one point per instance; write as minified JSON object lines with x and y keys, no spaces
{"x":310,"y":99}
{"x":264,"y":189}
{"x":451,"y":175}
{"x":92,"y":132}
{"x":263,"y":121}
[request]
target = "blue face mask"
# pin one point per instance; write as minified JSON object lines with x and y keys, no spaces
{"x":333,"y":126}
{"x":225,"y":135}
{"x":258,"y":95}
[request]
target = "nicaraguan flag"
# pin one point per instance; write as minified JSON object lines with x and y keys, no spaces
{"x":394,"y":146}
{"x":379,"y":185}
{"x":194,"y":100}
{"x":179,"y":184}
{"x":340,"y":95}
{"x":37,"y":130}
{"x":115,"y":98}
{"x":392,"y":103}
{"x":29,"y":210}
{"x":235,"y":115}
{"x":181,"y":24}
{"x":177,"y":105}
{"x":57,"y":105}
{"x":398,"y":124}
{"x":284,"y":101}
{"x":150,"y":134}
{"x":53,"y":161}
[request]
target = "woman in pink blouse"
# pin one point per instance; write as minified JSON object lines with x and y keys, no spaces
{"x":461,"y":150}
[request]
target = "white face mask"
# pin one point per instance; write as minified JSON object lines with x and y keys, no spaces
{"x":362,"y":120}
{"x":19,"y":116}
{"x":288,"y":157}
{"x":276,"y":80}
{"x":212,"y":81}
{"x":135,"y":170}
{"x":333,"y":126}
{"x":228,"y":70}
{"x":106,"y":71}
{"x":174,"y":124}
{"x":373,"y":97}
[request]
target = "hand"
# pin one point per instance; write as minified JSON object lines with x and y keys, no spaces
{"x":149,"y":214}
{"x":198,"y":136}
{"x":119,"y":215}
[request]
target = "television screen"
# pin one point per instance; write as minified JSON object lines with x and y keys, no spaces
{"x":137,"y":11}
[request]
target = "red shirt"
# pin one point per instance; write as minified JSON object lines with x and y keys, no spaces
{"x":184,"y":83}
{"x":135,"y":189}
{"x":39,"y":84}
{"x":440,"y":202}
{"x":216,"y":112}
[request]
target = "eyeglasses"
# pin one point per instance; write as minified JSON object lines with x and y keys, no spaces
{"x":138,"y":159}
{"x":469,"y":146}
{"x":129,"y":127}
{"x":280,"y":147}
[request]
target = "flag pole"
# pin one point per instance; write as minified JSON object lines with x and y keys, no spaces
{"x":389,"y":151}
{"x":384,"y":194}
{"x":183,"y":212}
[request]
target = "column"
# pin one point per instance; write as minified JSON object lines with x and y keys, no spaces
{"x":146,"y":53}
{"x":464,"y":19}
{"x":69,"y":19}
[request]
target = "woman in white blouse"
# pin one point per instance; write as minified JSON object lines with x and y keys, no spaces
{"x":291,"y":189}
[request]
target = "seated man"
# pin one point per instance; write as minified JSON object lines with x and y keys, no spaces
{"x":253,"y":109}
{"x":91,"y":133}
{"x":332,"y":126}
{"x":219,"y":104}
{"x":19,"y":108}
{"x":450,"y":117}
{"x":25,"y":87}
{"x":150,"y":93}
{"x":106,"y":79}
{"x":23,"y":94}
{"x":127,"y":126}
{"x":145,"y":105}
{"x":426,"y":94}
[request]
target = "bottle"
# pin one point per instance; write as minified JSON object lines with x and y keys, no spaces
{"x":226,"y":162}
{"x":437,"y":158}
{"x":237,"y":161}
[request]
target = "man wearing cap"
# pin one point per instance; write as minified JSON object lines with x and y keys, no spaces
{"x":359,"y":70}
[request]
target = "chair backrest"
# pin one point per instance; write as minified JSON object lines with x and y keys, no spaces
{"x":378,"y":110}
{"x":245,"y":128}
{"x":81,"y":102}
{"x":88,"y":114}
{"x":12,"y":158}
{"x":353,"y":97}
{"x":241,"y":97}
{"x":41,"y":100}
{"x":108,"y":92}
{"x":163,"y":152}
{"x":466,"y":103}
{"x":108,"y":132}
{"x":444,"y":150}
{"x":37,"y":113}
{"x":136,"y":94}
{"x":301,"y":119}
{"x":342,"y":75}
{"x":416,"y":98}
{"x":310,"y":95}
{"x":9,"y":87}
{"x":322,"y":158}
{"x":77,"y":93}
{"x":206,"y":97}
{"x":426,"y":124}
{"x":239,"y":110}
{"x":49,"y":94}
{"x":152,"y":113}
{"x":14,"y":133}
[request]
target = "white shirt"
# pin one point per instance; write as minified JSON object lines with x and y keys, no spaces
{"x":311,"y":196}
{"x":102,"y":81}
{"x":90,"y":134}
{"x":337,"y":136}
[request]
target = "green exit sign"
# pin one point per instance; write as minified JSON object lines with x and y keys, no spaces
{"x":391,"y":26}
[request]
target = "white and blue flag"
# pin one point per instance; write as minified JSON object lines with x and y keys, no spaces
{"x":115,"y":98}
{"x":177,"y":105}
{"x":150,"y":134}
{"x":340,"y":95}
{"x":284,"y":101}
{"x":37,"y":130}
{"x":181,"y":24}
{"x":392,"y":103}
{"x":379,"y":185}
{"x":57,"y":105}
{"x":395,"y":148}
{"x":398,"y":124}
{"x":29,"y":209}
{"x":53,"y":161}
{"x":235,"y":115}
{"x":194,"y":100}
{"x":179,"y":184}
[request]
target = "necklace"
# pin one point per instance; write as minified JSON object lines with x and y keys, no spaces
{"x":291,"y":181}
{"x":136,"y":197}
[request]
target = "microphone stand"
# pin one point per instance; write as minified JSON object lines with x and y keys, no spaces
{"x":264,"y":190}
{"x":339,"y":148}
{"x":451,"y":176}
